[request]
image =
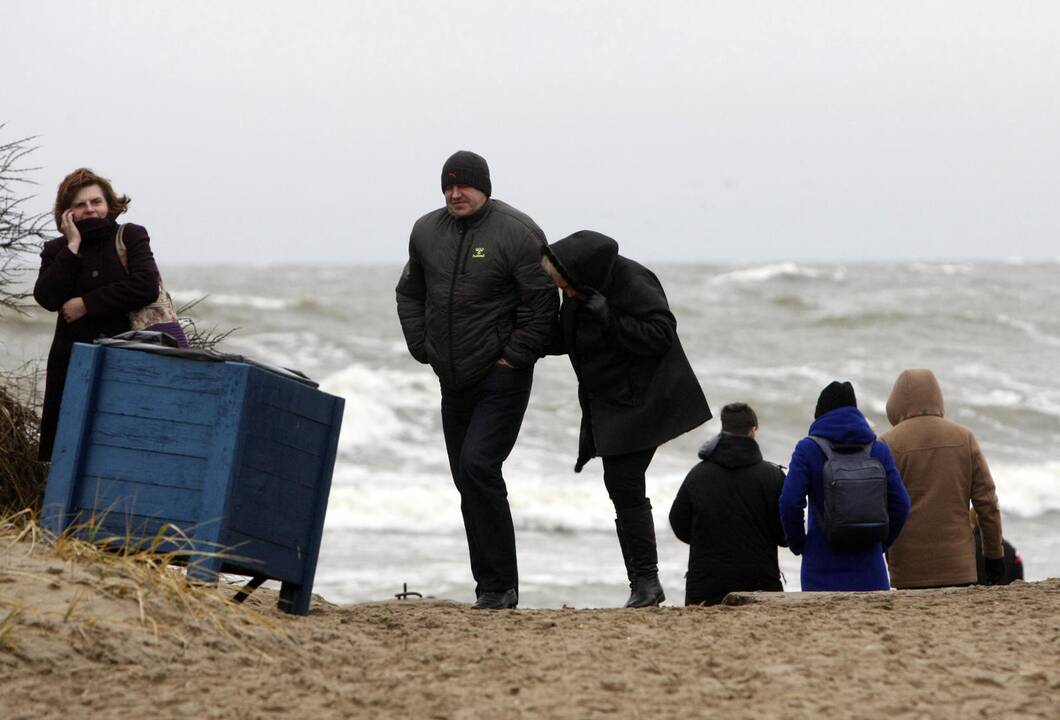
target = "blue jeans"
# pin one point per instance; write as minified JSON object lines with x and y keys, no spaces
{"x":481,"y":424}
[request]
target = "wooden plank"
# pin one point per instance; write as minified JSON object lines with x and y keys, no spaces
{"x":263,"y":505}
{"x":294,"y":599}
{"x":122,"y":497}
{"x":144,"y":466}
{"x":154,"y":370}
{"x":148,"y":534}
{"x":288,"y":430}
{"x":297,"y":600}
{"x":282,"y":462}
{"x":292,"y":396}
{"x":224,"y":451}
{"x":75,"y":423}
{"x":137,"y":530}
{"x":187,"y":405}
{"x":261,"y":556}
{"x":132,"y":433}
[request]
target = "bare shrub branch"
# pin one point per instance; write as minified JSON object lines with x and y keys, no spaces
{"x":20,"y":231}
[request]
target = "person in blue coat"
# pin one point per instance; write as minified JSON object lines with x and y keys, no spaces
{"x":825,"y":567}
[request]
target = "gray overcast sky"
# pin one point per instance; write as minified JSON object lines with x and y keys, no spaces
{"x":710,"y":131}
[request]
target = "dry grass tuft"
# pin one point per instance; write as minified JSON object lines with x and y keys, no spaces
{"x":201,"y":338}
{"x":146,"y":584}
{"x":22,"y":478}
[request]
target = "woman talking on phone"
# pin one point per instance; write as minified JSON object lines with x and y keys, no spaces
{"x":84,"y":280}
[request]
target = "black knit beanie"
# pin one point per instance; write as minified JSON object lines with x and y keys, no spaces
{"x":466,"y":168}
{"x":836,"y":395}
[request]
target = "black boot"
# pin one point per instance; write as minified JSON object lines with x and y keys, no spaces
{"x":624,"y":545}
{"x":636,"y":535}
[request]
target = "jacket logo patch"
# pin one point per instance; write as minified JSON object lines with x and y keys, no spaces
{"x":480,"y":252}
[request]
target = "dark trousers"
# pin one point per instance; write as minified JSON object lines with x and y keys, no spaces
{"x":481,"y":424}
{"x":624,"y":477}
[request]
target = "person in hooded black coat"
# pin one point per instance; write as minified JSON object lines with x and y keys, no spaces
{"x":728,"y":511}
{"x":635,"y":385}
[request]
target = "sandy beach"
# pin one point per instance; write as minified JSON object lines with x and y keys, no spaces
{"x":80,"y":636}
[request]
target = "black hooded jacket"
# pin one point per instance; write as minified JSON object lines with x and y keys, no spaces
{"x":635,"y":385}
{"x":457,"y":295}
{"x":728,"y":511}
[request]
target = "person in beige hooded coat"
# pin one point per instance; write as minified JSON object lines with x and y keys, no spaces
{"x":944,"y":470}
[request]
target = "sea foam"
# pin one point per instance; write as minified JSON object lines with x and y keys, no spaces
{"x":762,"y":273}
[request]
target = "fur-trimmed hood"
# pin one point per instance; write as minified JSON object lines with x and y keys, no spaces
{"x":731,"y":450}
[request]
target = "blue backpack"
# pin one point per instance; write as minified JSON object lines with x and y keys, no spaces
{"x":853,"y":511}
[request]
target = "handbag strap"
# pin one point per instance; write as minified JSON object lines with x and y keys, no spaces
{"x":119,"y":245}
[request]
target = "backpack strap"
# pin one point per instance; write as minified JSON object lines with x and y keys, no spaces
{"x":825,"y":445}
{"x":829,"y":448}
{"x":119,"y":246}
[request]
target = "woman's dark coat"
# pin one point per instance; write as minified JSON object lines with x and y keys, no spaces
{"x":635,"y":385}
{"x":728,"y":511}
{"x":96,"y":275}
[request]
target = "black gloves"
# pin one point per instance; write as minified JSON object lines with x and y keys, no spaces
{"x":994,"y":569}
{"x":596,"y":305}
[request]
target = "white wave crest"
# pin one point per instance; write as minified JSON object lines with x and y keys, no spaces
{"x":375,"y":398}
{"x":1027,"y":490}
{"x":782,"y":375}
{"x":940,"y":268}
{"x":1002,"y":390}
{"x":763,"y":273}
{"x":255,"y":302}
{"x":367,"y":498}
{"x":1030,"y":330}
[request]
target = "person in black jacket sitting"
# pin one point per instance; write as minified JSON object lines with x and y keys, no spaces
{"x":635,"y":385}
{"x":728,"y":511}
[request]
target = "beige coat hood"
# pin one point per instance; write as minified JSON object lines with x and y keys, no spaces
{"x":915,"y":393}
{"x":944,"y":471}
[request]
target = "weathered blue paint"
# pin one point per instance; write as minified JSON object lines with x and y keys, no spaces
{"x":213,"y":457}
{"x":298,"y":602}
{"x":75,"y":422}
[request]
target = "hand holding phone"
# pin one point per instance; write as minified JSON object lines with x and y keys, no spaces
{"x":70,"y":231}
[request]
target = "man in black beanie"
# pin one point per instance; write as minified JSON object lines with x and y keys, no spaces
{"x":471,"y":264}
{"x":728,"y":511}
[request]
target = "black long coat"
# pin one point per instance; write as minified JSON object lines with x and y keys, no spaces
{"x":635,"y":385}
{"x":96,"y":275}
{"x":728,"y":511}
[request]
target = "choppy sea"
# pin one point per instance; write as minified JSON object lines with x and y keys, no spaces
{"x":771,"y":335}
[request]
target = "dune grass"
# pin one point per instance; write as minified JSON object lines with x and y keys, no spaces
{"x":21,"y":476}
{"x":150,"y":585}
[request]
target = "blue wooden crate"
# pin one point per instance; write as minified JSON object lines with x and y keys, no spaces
{"x":225,"y":463}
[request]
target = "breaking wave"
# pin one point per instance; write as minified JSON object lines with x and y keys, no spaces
{"x":787,"y":270}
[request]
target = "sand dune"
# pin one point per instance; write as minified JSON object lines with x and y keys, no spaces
{"x":84,"y":637}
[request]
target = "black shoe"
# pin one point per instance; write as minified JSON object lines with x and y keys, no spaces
{"x":497,"y":600}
